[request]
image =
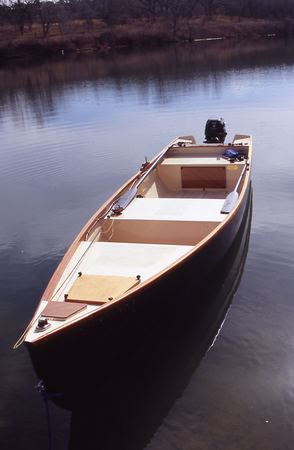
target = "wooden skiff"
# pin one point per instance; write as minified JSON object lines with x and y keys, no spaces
{"x":135,"y":259}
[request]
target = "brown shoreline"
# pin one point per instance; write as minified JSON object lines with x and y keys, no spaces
{"x":82,"y":37}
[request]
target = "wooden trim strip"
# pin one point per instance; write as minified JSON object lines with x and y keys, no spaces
{"x":56,"y":276}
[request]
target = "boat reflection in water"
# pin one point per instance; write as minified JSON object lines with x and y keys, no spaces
{"x":125,"y":409}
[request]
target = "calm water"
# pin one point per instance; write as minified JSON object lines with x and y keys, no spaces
{"x":71,"y":132}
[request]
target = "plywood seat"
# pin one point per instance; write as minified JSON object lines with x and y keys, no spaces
{"x":199,"y":160}
{"x":112,"y":259}
{"x":99,"y":288}
{"x":207,"y":172}
{"x":177,"y":209}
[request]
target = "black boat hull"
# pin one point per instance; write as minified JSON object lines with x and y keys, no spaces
{"x":80,"y":358}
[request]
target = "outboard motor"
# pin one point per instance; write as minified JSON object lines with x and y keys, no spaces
{"x":215,"y":131}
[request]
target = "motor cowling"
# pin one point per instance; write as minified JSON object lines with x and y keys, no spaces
{"x":215,"y":131}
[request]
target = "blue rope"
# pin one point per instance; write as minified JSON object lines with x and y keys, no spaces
{"x":47,"y":396}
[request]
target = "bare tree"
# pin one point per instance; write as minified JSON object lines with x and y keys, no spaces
{"x":149,"y":8}
{"x":106,"y":10}
{"x":23,"y":12}
{"x":46,"y":14}
{"x":190,"y":7}
{"x":4,"y":12}
{"x":211,"y":7}
{"x":19,"y":14}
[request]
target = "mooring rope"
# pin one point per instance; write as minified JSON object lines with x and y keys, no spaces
{"x":47,"y":396}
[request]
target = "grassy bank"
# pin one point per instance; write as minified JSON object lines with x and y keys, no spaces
{"x":95,"y":35}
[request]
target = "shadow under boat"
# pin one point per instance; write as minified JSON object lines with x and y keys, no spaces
{"x":124,"y":410}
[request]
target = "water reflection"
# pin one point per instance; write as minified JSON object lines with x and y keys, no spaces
{"x":22,"y":414}
{"x":71,"y":132}
{"x":39,"y":90}
{"x":127,"y":409}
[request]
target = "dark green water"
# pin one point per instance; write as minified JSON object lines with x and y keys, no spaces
{"x":71,"y":132}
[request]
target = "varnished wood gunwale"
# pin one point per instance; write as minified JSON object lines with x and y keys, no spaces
{"x":47,"y":294}
{"x":140,"y":287}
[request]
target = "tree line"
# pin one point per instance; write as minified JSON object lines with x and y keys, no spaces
{"x":24,"y":13}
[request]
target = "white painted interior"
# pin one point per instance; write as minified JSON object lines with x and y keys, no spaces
{"x":155,"y":231}
{"x":179,"y":209}
{"x":123,"y":259}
